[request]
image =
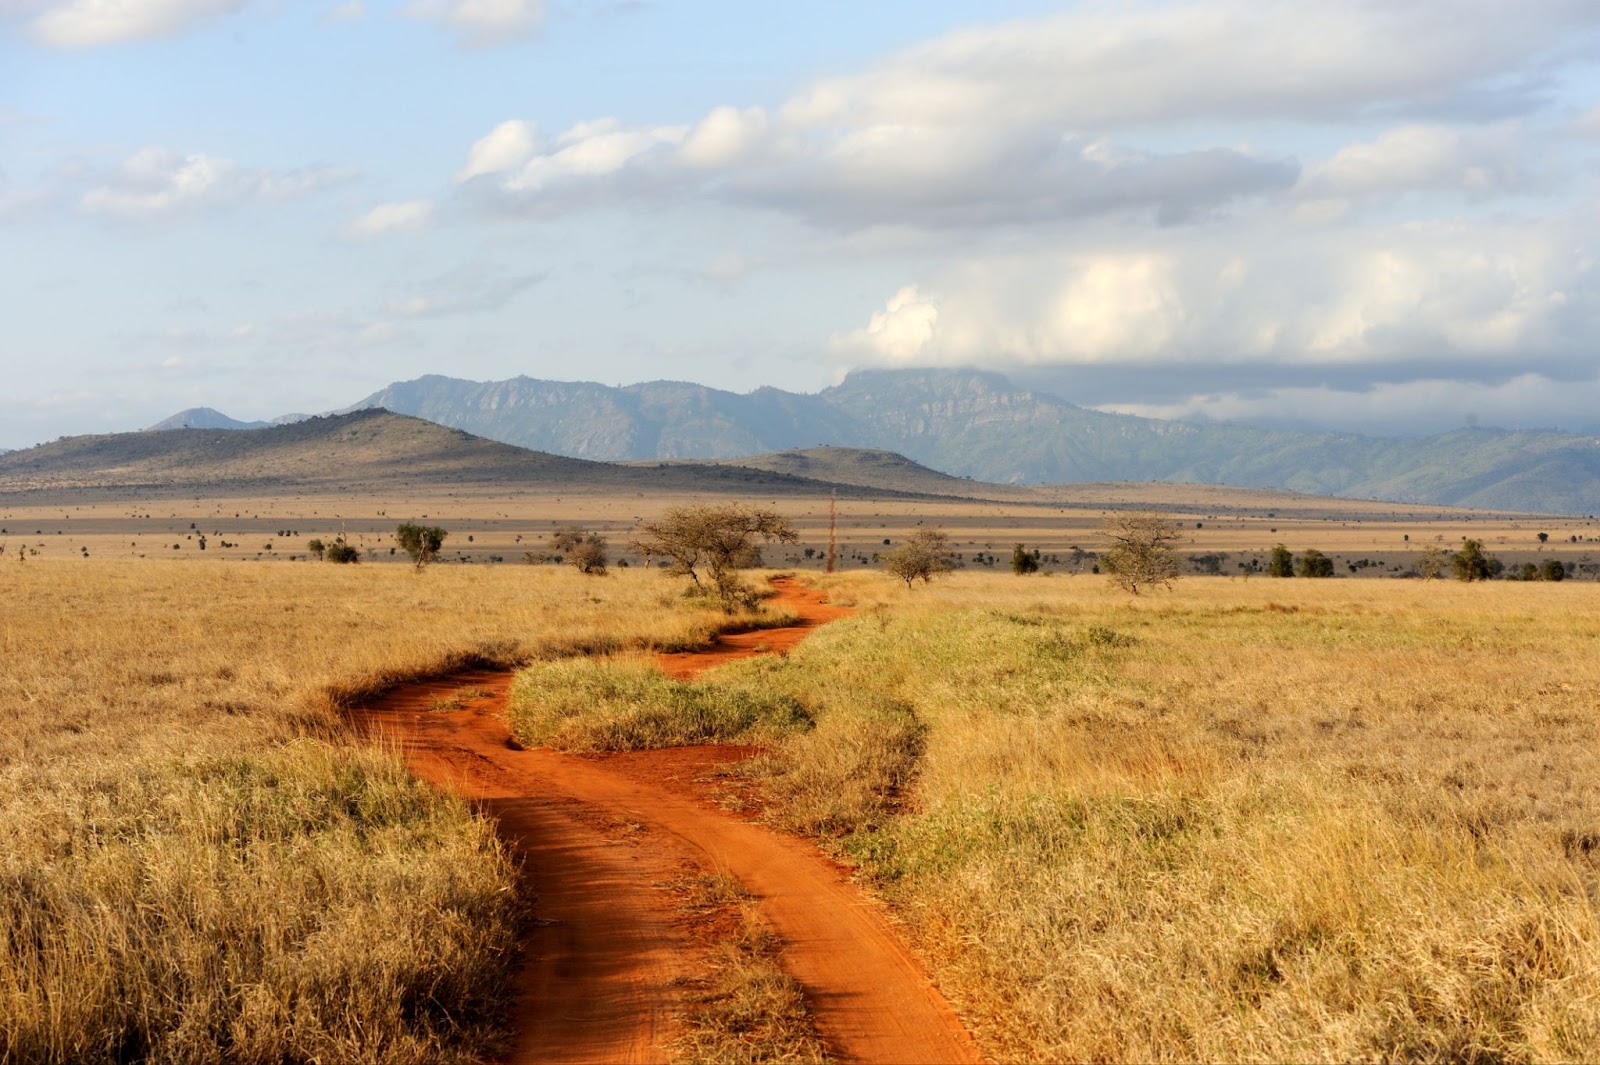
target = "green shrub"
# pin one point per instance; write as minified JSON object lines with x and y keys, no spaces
{"x":1314,"y":563}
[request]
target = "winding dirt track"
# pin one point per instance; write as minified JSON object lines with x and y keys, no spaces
{"x":599,"y":837}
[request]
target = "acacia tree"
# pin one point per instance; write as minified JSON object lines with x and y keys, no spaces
{"x":715,"y":541}
{"x":420,"y":542}
{"x":1315,"y":564}
{"x":1281,"y":562}
{"x":1142,"y":549}
{"x":586,"y":551}
{"x":1471,"y":564}
{"x":1431,"y":562}
{"x":923,"y":555}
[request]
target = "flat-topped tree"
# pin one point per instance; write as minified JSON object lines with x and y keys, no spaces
{"x":716,"y":540}
{"x":924,"y":554}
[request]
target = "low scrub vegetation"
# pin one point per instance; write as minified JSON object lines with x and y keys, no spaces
{"x":1265,"y":820}
{"x":197,"y":865}
{"x":1217,"y":824}
{"x":747,"y":1010}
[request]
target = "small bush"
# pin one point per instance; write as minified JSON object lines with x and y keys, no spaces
{"x":1314,"y":563}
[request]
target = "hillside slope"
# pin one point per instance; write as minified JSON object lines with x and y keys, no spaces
{"x":974,"y":424}
{"x":875,"y":468}
{"x":363,"y":450}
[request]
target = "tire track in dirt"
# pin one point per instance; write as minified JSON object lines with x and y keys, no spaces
{"x":600,"y":973}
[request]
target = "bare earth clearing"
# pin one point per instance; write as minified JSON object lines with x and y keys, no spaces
{"x":600,"y":837}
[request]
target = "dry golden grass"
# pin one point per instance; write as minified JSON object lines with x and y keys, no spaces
{"x":747,"y":1009}
{"x":196,"y":864}
{"x":1255,"y":820}
{"x":1264,"y":820}
{"x":487,"y":525}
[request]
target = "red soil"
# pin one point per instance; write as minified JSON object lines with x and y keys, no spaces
{"x":599,"y":838}
{"x":810,"y":606}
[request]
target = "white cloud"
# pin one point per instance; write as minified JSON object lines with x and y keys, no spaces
{"x":403,"y":217}
{"x":87,"y":23}
{"x":1501,"y":298}
{"x":1231,"y":59}
{"x":1119,"y":306}
{"x":594,"y":149}
{"x":725,"y":136}
{"x":506,"y":147}
{"x":1040,"y":120}
{"x":1477,"y":162}
{"x":479,"y":23}
{"x":157,"y":182}
{"x":884,"y":175}
{"x":899,"y":332}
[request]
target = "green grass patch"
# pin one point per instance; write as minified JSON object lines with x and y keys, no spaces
{"x":629,"y":704}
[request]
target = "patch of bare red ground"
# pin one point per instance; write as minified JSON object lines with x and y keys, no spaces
{"x":600,"y":839}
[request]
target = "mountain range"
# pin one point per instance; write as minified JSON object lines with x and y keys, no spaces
{"x":207,"y":418}
{"x":376,"y":450}
{"x":976,"y":424}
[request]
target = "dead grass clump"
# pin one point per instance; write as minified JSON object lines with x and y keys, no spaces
{"x":848,"y":774}
{"x":748,"y":1009}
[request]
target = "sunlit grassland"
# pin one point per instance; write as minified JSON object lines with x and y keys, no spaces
{"x":1253,"y":820}
{"x":199,"y":864}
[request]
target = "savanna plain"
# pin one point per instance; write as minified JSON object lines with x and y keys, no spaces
{"x":1242,"y":819}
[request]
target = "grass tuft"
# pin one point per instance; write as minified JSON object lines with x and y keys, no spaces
{"x":629,"y":704}
{"x":747,"y":1010}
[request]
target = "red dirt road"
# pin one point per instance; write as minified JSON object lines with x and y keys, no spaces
{"x":810,"y":607}
{"x":599,"y":836}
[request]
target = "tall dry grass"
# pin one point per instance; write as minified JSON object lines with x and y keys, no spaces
{"x":197,"y":865}
{"x":1264,"y":820}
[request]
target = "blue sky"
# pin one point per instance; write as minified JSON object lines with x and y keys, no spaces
{"x":1370,"y":216}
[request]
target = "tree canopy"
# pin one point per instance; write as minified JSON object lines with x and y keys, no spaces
{"x":1314,"y":563}
{"x":1142,"y":551}
{"x":1471,"y":564}
{"x":924,"y":554}
{"x":420,"y":542}
{"x":714,"y":541}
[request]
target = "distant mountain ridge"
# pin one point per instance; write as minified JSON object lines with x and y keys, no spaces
{"x":207,"y":418}
{"x":976,"y":424}
{"x":363,"y":450}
